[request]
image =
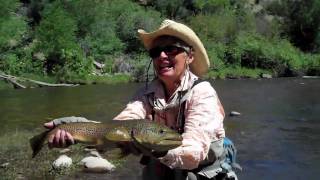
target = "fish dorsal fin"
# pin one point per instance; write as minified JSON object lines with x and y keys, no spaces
{"x":118,"y":134}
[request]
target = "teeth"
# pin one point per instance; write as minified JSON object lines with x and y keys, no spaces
{"x":165,"y":65}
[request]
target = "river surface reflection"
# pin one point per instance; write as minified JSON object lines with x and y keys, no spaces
{"x":277,"y":134}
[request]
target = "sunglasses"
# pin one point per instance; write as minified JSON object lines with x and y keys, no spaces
{"x":169,"y":50}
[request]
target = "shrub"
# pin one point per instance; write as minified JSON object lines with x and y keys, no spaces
{"x":54,"y":38}
{"x":255,"y":51}
{"x":96,"y":28}
{"x":76,"y":65}
{"x":131,"y":19}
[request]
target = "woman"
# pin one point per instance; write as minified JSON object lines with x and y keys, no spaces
{"x":178,"y":99}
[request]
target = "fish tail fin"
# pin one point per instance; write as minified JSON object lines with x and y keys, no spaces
{"x":37,"y":142}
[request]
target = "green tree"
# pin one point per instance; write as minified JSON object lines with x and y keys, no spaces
{"x":13,"y":28}
{"x":301,"y":22}
{"x":12,"y":25}
{"x":96,"y":28}
{"x":55,"y":34}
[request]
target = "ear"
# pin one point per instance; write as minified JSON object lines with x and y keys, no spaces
{"x":190,"y":59}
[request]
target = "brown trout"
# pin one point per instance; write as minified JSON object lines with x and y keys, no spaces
{"x":151,"y":135}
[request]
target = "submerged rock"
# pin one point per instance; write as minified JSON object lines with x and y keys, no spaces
{"x":235,"y":113}
{"x":4,"y":165}
{"x":97,"y":164}
{"x":63,"y":161}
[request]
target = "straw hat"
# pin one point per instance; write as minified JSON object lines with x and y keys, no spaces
{"x":201,"y":62}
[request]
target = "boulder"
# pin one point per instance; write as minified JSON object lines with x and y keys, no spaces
{"x":267,"y":76}
{"x":63,"y":161}
{"x":4,"y":165}
{"x":97,"y":164}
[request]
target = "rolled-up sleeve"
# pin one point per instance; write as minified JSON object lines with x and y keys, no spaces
{"x":203,"y":123}
{"x":137,"y":108}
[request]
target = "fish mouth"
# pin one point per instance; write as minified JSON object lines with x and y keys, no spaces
{"x":172,"y":141}
{"x":173,"y":138}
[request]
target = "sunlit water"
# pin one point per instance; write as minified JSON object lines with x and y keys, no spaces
{"x":277,"y":134}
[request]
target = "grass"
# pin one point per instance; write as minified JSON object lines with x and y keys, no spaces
{"x":5,"y":85}
{"x":108,"y":79}
{"x":16,"y":151}
{"x":91,"y":79}
{"x":236,"y":72}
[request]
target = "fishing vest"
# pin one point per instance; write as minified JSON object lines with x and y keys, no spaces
{"x":222,"y":153}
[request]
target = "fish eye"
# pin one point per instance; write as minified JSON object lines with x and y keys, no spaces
{"x":161,"y":131}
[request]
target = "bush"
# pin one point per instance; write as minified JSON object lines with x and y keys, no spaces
{"x":54,"y":38}
{"x":255,"y":51}
{"x":76,"y":65}
{"x":312,"y":64}
{"x":96,"y":28}
{"x":216,"y":53}
{"x":141,"y":72}
{"x":131,"y":18}
{"x":300,"y":22}
{"x":12,"y":30}
{"x":215,"y":28}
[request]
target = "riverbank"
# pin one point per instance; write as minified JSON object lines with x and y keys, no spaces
{"x":226,"y":73}
{"x":16,"y":161}
{"x":27,"y":79}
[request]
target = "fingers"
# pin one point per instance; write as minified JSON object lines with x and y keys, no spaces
{"x":60,"y":139}
{"x":63,"y":138}
{"x":69,"y":138}
{"x":49,"y":125}
{"x":57,"y":137}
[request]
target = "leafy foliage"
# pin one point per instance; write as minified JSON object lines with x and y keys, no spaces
{"x":254,"y":51}
{"x":12,"y":26}
{"x":64,"y":39}
{"x":301,"y":22}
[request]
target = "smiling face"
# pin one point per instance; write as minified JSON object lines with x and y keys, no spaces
{"x":170,"y":58}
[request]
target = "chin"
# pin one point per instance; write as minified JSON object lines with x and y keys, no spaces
{"x":168,"y":77}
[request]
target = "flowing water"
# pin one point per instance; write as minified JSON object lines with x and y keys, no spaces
{"x":277,"y":134}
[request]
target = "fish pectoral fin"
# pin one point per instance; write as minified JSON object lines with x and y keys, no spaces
{"x":118,"y":134}
{"x":144,"y":150}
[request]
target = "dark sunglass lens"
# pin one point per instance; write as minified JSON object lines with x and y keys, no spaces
{"x":154,"y":52}
{"x":171,"y":49}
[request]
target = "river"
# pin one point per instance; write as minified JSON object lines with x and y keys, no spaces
{"x":277,"y":134}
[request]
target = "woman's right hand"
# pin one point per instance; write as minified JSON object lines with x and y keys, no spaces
{"x":60,"y":139}
{"x":63,"y":138}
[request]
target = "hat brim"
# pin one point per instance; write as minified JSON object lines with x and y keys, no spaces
{"x":201,"y":62}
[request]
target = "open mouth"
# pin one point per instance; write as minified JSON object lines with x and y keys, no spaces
{"x":165,"y":67}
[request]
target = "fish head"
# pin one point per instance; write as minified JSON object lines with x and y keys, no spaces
{"x":156,"y":136}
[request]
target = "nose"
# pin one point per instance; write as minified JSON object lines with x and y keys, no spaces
{"x":163,"y":54}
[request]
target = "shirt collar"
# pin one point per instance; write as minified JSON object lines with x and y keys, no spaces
{"x":186,"y":83}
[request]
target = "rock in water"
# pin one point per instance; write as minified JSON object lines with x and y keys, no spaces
{"x":63,"y":161}
{"x":97,"y":164}
{"x":235,"y":113}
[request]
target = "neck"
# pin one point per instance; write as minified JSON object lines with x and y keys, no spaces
{"x":171,"y":87}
